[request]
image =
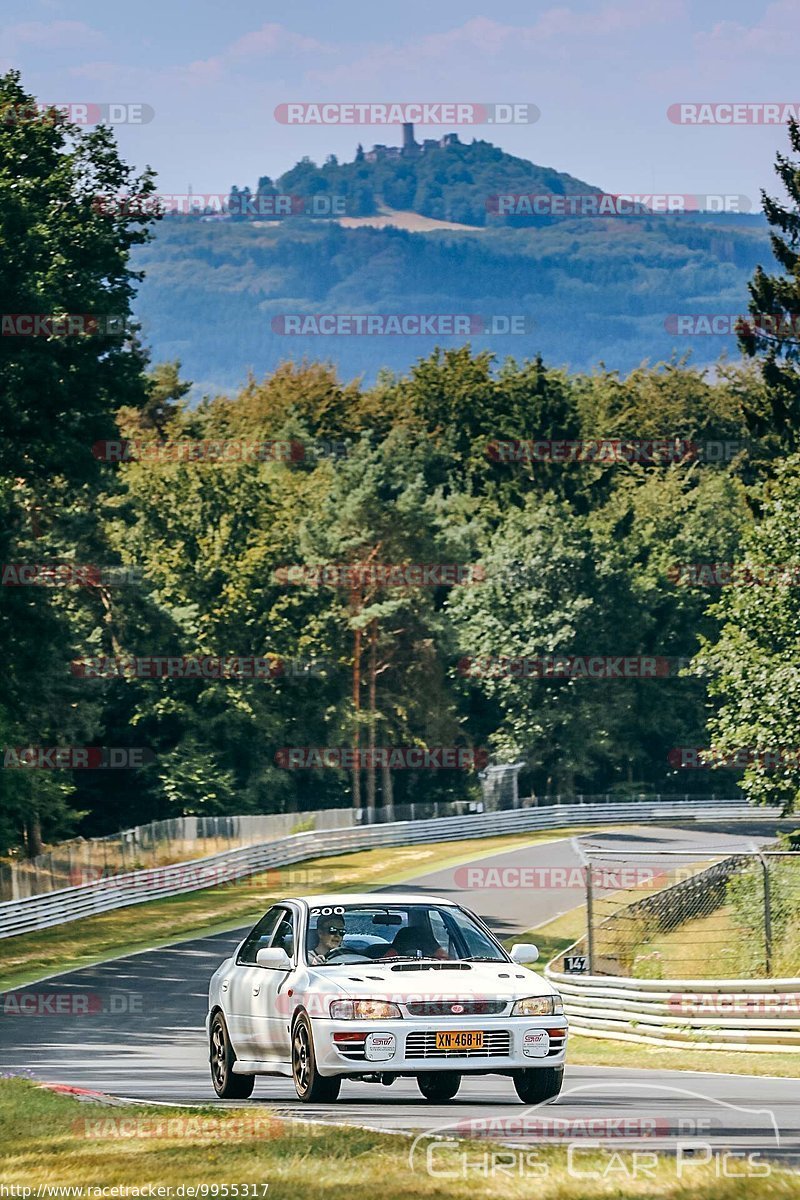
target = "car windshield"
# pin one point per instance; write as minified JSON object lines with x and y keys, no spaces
{"x":396,"y":932}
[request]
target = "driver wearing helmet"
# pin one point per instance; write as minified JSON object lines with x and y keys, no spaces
{"x":330,"y":931}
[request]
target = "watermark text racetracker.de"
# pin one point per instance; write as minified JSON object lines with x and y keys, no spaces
{"x":474,"y":877}
{"x":211,"y":450}
{"x":730,"y":574}
{"x":707,"y":758}
{"x":76,"y":758}
{"x":394,"y":758}
{"x":381,"y":575}
{"x":68,"y":1003}
{"x":195,"y":1127}
{"x":606,"y":204}
{"x":401,"y":324}
{"x":588,"y":666}
{"x":58,"y":325}
{"x":243,"y":204}
{"x":197,"y":877}
{"x":219,"y":450}
{"x":65,"y":574}
{"x":734,"y":112}
{"x":77,"y":112}
{"x":605,"y":451}
{"x":782,"y":326}
{"x":407,"y":112}
{"x":207,"y":666}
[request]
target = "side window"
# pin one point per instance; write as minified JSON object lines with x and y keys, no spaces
{"x":284,"y":934}
{"x":260,"y":935}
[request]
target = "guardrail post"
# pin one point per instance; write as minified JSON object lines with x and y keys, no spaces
{"x":589,"y":918}
{"x":767,"y":917}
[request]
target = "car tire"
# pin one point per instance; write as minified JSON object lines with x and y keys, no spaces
{"x":538,"y":1085}
{"x":439,"y":1086}
{"x":221,"y":1057}
{"x":311,"y":1087}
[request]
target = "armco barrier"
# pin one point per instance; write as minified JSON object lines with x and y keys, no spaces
{"x":705,"y":1014}
{"x":136,"y":887}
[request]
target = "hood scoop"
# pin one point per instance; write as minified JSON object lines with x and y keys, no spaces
{"x":433,"y":966}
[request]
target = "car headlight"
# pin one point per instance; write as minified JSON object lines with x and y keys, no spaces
{"x":365,"y":1010}
{"x":538,"y":1006}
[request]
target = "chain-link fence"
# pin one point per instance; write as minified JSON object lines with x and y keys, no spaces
{"x":691,"y":913}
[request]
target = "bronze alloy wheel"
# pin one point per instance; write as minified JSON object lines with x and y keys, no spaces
{"x":221,"y":1057}
{"x":310,"y":1086}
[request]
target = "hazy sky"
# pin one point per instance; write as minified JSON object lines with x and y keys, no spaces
{"x":602,"y":74}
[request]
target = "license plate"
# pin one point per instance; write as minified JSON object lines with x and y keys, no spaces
{"x":460,"y":1039}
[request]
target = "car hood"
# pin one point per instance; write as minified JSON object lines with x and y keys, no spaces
{"x":472,"y":981}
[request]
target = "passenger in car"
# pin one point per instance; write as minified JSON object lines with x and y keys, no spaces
{"x":415,"y":943}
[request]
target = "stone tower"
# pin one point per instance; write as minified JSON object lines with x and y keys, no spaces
{"x":409,"y":145}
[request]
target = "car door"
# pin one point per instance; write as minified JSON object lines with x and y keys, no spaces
{"x":270,"y":1015}
{"x":244,"y":978}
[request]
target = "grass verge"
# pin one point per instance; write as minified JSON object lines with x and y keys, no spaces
{"x":50,"y":1139}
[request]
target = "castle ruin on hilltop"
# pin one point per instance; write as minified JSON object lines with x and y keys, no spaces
{"x":410,"y":147}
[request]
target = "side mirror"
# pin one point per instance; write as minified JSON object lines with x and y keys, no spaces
{"x":274,"y":956}
{"x":524,"y":952}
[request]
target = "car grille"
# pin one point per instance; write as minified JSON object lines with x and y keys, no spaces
{"x":444,"y":1008}
{"x":496,"y":1042}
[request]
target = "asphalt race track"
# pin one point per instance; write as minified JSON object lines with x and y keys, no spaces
{"x":143,"y":1037}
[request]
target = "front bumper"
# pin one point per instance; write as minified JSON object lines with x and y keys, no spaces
{"x":406,"y":1046}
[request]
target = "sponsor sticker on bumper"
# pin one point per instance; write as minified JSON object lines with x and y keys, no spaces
{"x":536,"y":1043}
{"x":380,"y":1046}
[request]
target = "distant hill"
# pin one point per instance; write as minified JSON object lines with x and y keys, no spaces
{"x":447,"y":180}
{"x":594,"y":289}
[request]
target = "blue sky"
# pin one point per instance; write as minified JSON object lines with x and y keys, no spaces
{"x":602,"y":74}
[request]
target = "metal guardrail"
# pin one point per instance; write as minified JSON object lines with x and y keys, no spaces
{"x":706,"y":1014}
{"x":158,"y":843}
{"x":137,"y":887}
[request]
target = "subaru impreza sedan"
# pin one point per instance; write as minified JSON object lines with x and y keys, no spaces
{"x":377,"y":987}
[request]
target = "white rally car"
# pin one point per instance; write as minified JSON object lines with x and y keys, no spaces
{"x":377,"y":986}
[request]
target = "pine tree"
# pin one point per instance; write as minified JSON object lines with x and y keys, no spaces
{"x":772,"y":334}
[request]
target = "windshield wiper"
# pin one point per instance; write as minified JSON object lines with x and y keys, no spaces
{"x":482,"y":958}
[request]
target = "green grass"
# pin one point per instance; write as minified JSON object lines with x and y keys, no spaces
{"x":43,"y":1140}
{"x":31,"y":956}
{"x":717,"y":946}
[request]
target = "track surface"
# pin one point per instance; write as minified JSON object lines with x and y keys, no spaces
{"x":143,"y":1037}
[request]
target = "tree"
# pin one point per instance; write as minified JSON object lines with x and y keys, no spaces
{"x":66,"y":244}
{"x":774,"y":331}
{"x":754,"y":663}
